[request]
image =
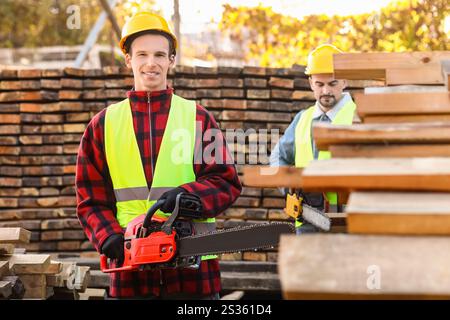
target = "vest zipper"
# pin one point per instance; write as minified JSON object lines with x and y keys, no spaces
{"x":152,"y":164}
{"x":150,"y":128}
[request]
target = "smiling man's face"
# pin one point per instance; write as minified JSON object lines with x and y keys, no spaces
{"x":150,"y":61}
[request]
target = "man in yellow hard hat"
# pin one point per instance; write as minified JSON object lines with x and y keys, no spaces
{"x":146,"y":148}
{"x":296,"y":146}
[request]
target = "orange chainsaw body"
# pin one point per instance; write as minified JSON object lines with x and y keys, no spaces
{"x":156,"y":248}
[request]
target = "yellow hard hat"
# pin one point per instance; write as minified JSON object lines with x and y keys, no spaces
{"x":320,"y":60}
{"x":143,"y":21}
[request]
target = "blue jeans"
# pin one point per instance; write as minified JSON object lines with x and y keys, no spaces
{"x":306,"y":228}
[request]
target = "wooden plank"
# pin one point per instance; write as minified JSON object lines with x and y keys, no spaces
{"x":361,"y":74}
{"x":445,"y":66}
{"x":338,"y":229}
{"x":54,"y":267}
{"x":344,"y":266}
{"x":402,"y":103}
{"x":338,"y":222}
{"x":35,"y":286}
{"x":420,"y":75}
{"x":399,"y":213}
{"x":267,"y":177}
{"x":427,"y":174}
{"x":250,"y":281}
{"x":6,"y":248}
{"x":5,"y":289}
{"x":326,"y":134}
{"x":406,"y":88}
{"x":65,"y":277}
{"x":29,"y":263}
{"x":14,"y":235}
{"x":93,"y":294}
{"x":99,"y":279}
{"x":55,"y":280}
{"x":82,"y":275}
{"x":20,"y":251}
{"x":18,"y":289}
{"x":68,"y":274}
{"x":409,"y":118}
{"x":390,"y":151}
{"x":235,"y":295}
{"x":417,"y":213}
{"x":373,"y":65}
{"x":4,"y":268}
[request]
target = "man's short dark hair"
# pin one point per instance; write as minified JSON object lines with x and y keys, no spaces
{"x":131,"y":38}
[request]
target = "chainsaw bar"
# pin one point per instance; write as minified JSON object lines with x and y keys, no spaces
{"x":316,"y":217}
{"x":246,"y":238}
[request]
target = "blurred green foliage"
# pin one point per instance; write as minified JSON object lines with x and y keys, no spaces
{"x":31,"y":23}
{"x":278,"y":40}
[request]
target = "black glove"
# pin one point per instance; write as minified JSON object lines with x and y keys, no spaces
{"x":113,"y":248}
{"x":170,"y":197}
{"x":314,"y":199}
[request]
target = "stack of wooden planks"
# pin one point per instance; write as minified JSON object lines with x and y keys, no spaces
{"x":401,"y":140}
{"x":396,"y":168}
{"x":419,"y":94}
{"x":411,"y":104}
{"x":35,"y":276}
{"x":399,"y":68}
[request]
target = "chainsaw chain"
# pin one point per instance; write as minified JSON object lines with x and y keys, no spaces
{"x":240,"y":228}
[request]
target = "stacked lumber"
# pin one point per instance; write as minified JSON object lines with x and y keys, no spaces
{"x":413,"y":104}
{"x":427,"y":139}
{"x":349,"y":266}
{"x":394,"y":68}
{"x":34,"y":276}
{"x":397,"y":176}
{"x":419,"y":96}
{"x":235,"y":275}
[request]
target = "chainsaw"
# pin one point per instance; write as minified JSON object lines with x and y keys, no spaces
{"x":152,"y":242}
{"x":299,"y":210}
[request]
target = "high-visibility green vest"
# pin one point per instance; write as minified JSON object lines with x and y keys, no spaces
{"x":303,"y":146}
{"x":174,"y":165}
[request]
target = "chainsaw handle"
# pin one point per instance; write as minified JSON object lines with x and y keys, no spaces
{"x":105,"y":269}
{"x":148,"y":217}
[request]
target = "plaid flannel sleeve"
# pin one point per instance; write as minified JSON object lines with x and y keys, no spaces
{"x":95,"y":197}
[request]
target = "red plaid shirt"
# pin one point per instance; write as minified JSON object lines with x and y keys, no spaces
{"x":216,"y":184}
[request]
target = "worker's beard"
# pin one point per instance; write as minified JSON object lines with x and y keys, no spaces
{"x":327,"y":101}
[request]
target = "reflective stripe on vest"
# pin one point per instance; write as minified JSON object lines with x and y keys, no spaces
{"x":174,"y":165}
{"x":303,"y":145}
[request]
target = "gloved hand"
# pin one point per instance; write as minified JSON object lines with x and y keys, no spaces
{"x":113,"y":248}
{"x":314,"y":199}
{"x":170,"y":197}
